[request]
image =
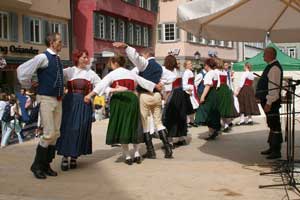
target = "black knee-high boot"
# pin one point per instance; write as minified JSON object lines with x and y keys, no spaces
{"x":50,"y":156}
{"x":150,"y":148}
{"x":39,"y":162}
{"x":269,"y":150}
{"x":167,"y":145}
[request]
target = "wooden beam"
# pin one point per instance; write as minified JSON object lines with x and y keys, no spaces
{"x":292,"y":6}
{"x":279,"y":16}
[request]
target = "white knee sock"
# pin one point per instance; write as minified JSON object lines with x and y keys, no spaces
{"x":136,"y":150}
{"x":126,"y":151}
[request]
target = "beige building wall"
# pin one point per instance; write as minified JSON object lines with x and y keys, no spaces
{"x":168,"y":14}
{"x":60,"y":15}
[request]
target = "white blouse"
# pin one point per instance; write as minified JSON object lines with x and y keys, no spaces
{"x":210,"y":76}
{"x":72,"y":73}
{"x":246,"y":75}
{"x":187,"y":74}
{"x":121,"y":74}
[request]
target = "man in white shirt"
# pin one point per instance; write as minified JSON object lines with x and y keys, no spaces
{"x":269,"y":93}
{"x":50,"y":89}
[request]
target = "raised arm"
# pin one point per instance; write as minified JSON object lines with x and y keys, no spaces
{"x":139,"y":61}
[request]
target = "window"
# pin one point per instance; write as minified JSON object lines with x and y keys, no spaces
{"x":169,"y":32}
{"x":211,"y":42}
{"x":130,"y":1}
{"x":138,"y":35}
{"x":191,"y":38}
{"x":292,"y":52}
{"x":101,"y":26}
{"x":282,"y":49}
{"x":217,"y":42}
{"x":35,"y":30}
{"x":55,"y":27}
{"x":122,"y":31}
{"x":145,"y":4}
{"x":146,"y":36}
{"x":130,"y":33}
{"x":230,"y":44}
{"x":4,"y":25}
{"x":202,"y":40}
{"x":222,"y":43}
{"x":113,"y":29}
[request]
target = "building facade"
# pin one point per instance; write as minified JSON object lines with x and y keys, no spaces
{"x":99,"y":23}
{"x":171,"y":39}
{"x":291,"y":49}
{"x":23,"y":27}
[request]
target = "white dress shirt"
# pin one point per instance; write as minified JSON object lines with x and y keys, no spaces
{"x":274,"y":76}
{"x":27,"y":70}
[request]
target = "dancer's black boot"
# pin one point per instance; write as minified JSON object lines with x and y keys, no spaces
{"x":50,"y":156}
{"x":39,"y":162}
{"x":167,"y":145}
{"x":149,"y":145}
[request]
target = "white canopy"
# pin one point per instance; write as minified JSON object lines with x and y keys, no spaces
{"x":242,"y":20}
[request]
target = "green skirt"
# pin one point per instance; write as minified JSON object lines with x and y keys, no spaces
{"x":123,"y":121}
{"x":226,"y":102}
{"x":208,"y":112}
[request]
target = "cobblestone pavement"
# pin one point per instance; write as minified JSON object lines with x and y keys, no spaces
{"x":227,"y":168}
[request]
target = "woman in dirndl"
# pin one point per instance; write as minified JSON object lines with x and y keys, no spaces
{"x":189,"y":87}
{"x":208,"y":100}
{"x":246,"y":97}
{"x":76,"y":127}
{"x":175,"y":113}
{"x":225,"y":97}
{"x":124,"y":107}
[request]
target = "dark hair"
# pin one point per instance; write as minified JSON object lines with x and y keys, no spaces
{"x":118,"y":59}
{"x":170,"y":63}
{"x":77,"y":53}
{"x":51,"y":38}
{"x":12,"y":99}
{"x":210,"y":62}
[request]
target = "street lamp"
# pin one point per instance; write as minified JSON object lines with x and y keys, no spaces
{"x":197,"y":57}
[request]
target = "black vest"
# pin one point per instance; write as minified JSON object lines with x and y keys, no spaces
{"x":153,"y":73}
{"x":262,"y":87}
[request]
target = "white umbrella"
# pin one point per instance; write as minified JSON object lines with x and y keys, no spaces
{"x":242,"y":20}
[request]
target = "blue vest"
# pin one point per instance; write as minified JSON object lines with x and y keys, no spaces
{"x":263,"y":86}
{"x":201,"y":86}
{"x":153,"y":73}
{"x":50,"y":78}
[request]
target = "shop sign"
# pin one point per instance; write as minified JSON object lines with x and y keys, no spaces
{"x":18,"y":49}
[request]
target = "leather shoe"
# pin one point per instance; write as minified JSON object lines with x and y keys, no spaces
{"x":266,"y":152}
{"x":274,"y":155}
{"x":138,"y":160}
{"x":129,"y":161}
{"x":50,"y":172}
{"x":39,"y":174}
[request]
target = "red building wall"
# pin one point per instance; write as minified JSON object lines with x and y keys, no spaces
{"x":83,"y":21}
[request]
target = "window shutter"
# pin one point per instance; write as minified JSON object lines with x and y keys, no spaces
{"x":127,"y":33}
{"x":159,"y":32}
{"x":142,"y":36}
{"x":26,"y":29}
{"x":45,"y":30}
{"x":134,"y":35}
{"x":154,"y":6}
{"x":177,"y":33}
{"x":96,"y":26}
{"x":150,"y":38}
{"x":107,"y":28}
{"x":13,"y":19}
{"x":64,"y":33}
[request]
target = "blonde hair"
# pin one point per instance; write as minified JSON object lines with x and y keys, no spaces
{"x":186,"y":62}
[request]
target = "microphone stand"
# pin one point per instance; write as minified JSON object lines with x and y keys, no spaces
{"x":286,"y":167}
